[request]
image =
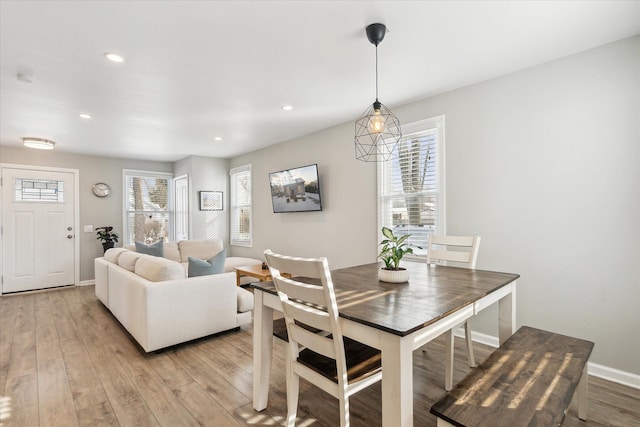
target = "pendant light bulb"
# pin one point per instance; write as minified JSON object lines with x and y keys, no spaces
{"x":377,"y":122}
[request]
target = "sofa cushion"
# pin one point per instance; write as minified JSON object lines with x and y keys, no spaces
{"x":154,"y":249}
{"x":157,"y":269}
{"x":113,"y":254}
{"x":128,"y":260}
{"x":201,"y":249}
{"x":171,"y":251}
{"x":245,"y":300}
{"x":214,"y":265}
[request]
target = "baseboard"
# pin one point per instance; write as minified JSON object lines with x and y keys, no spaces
{"x":87,"y":282}
{"x":614,"y":375}
{"x":606,"y":373}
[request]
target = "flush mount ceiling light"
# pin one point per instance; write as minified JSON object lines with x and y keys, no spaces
{"x":114,"y":57}
{"x":378,"y":129}
{"x":84,"y":116}
{"x":39,"y":143}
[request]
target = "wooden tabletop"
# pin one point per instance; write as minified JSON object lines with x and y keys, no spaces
{"x":432,"y":293}
{"x":254,"y":269}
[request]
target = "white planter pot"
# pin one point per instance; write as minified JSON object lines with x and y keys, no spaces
{"x":393,"y":276}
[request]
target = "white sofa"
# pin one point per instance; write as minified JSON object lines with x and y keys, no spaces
{"x":159,"y":305}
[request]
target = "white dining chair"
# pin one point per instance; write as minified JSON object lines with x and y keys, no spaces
{"x":338,"y":365}
{"x":460,"y":251}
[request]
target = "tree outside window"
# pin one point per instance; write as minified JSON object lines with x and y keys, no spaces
{"x":147,"y":211}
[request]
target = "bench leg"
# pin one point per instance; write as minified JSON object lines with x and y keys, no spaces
{"x":443,"y":423}
{"x":583,"y":391}
{"x":448,"y":360}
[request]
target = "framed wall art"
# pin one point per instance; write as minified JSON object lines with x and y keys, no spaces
{"x":210,"y":200}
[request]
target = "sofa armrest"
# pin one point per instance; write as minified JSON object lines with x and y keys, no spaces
{"x":101,"y":268}
{"x":245,"y":300}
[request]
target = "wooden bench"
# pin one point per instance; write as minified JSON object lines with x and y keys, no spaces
{"x":528,"y":381}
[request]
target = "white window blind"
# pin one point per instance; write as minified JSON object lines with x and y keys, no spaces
{"x":147,"y":206}
{"x":411,"y":184}
{"x":240,"y":211}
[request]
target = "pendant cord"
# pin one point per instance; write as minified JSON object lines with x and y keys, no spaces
{"x":376,"y":73}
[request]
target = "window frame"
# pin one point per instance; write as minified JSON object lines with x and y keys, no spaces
{"x":235,"y":207}
{"x":126,"y":173}
{"x":437,"y":125}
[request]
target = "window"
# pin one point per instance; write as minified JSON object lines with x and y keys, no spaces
{"x":148,"y":206}
{"x":411,"y":185}
{"x":240,"y":211}
{"x":38,"y":190}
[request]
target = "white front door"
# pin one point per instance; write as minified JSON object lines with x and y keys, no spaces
{"x":38,"y":239}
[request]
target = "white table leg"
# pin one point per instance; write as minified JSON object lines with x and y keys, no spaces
{"x":448,"y":359}
{"x":397,"y":381}
{"x":262,"y":350}
{"x":507,"y":315}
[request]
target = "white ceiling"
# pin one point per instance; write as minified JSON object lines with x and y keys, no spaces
{"x":195,"y":70}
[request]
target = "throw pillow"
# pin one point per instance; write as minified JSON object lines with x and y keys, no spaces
{"x":214,"y":265}
{"x":155,"y":249}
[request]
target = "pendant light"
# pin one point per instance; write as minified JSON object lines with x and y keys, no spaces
{"x":378,"y":129}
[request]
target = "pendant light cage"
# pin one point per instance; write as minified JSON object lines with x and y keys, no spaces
{"x":373,"y":146}
{"x":377,"y":131}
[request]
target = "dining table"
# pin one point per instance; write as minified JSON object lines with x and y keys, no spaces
{"x":394,"y":318}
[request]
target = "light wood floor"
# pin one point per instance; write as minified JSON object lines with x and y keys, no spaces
{"x":65,"y":361}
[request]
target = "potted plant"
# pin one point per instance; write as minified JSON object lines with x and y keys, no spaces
{"x":107,"y":236}
{"x":393,"y":249}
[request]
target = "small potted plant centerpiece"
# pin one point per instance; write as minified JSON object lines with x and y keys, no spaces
{"x":393,"y":249}
{"x":107,"y":236}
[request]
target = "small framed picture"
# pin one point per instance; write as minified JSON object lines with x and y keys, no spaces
{"x":210,"y":200}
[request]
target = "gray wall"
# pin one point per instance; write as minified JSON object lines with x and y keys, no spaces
{"x":93,"y":210}
{"x":345,"y":231}
{"x":206,"y":174}
{"x":542,"y":163}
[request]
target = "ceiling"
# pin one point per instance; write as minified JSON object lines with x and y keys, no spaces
{"x":196,"y":70}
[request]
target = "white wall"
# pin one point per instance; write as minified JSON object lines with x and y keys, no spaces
{"x":542,"y":163}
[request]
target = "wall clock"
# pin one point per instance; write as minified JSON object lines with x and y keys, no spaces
{"x":101,"y":189}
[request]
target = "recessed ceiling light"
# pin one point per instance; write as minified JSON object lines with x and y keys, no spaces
{"x":287,"y":107}
{"x":113,"y":57}
{"x":84,"y":116}
{"x":39,"y":143}
{"x":217,"y":138}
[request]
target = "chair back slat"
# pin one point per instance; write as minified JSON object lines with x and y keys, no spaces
{"x":308,"y":315}
{"x":301,"y":291}
{"x":295,"y":266}
{"x":313,"y":341}
{"x":458,"y":249}
{"x":454,"y":256}
{"x":462,"y":241}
